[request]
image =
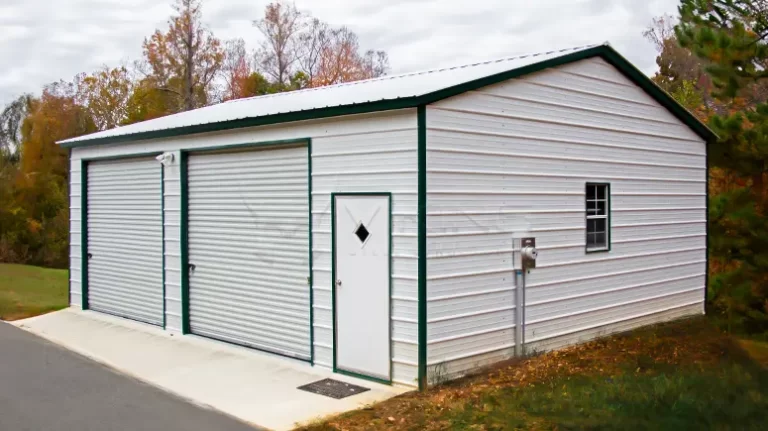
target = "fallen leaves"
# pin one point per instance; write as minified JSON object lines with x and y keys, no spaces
{"x":683,"y":342}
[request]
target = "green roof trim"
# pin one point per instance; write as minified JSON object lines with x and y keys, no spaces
{"x":604,"y":51}
{"x":635,"y":75}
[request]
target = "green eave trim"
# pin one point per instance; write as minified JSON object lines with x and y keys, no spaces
{"x":313,"y":114}
{"x":603,"y":51}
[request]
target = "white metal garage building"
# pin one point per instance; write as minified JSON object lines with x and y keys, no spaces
{"x":373,"y":227}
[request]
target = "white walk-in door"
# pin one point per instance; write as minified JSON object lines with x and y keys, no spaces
{"x":249,"y":248}
{"x":362,"y":271}
{"x":125,"y":238}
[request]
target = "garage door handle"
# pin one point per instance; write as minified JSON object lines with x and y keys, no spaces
{"x":192,"y":267}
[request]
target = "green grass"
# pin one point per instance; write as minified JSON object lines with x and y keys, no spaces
{"x":684,"y":375}
{"x":27,"y":291}
{"x":731,"y":397}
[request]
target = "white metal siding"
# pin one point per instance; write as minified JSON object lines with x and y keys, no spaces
{"x":125,"y":239}
{"x":172,"y":230}
{"x":512,"y":159}
{"x":249,"y":243}
{"x":376,"y":155}
{"x":383,"y":146}
{"x":75,"y":233}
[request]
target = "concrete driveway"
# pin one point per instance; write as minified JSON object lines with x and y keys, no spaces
{"x":252,"y":386}
{"x":45,"y":387}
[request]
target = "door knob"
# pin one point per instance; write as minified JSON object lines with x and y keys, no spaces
{"x":338,"y":283}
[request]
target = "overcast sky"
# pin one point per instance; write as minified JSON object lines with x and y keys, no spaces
{"x":45,"y":40}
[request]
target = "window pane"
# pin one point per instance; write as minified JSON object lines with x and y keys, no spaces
{"x":600,"y":225}
{"x":592,"y":208}
{"x":592,"y":225}
{"x":596,"y":225}
{"x":601,"y":191}
{"x":600,"y":239}
{"x":591,"y":192}
{"x":591,"y":240}
{"x":601,"y":207}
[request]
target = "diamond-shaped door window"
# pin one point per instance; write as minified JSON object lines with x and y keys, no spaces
{"x":362,"y":233}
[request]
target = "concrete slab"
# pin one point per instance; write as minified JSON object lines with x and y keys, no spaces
{"x":252,"y":386}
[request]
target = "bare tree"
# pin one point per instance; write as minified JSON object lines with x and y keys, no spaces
{"x":236,"y":68}
{"x":313,"y":42}
{"x":296,"y":42}
{"x":661,"y":30}
{"x":187,"y":58}
{"x":375,"y":63}
{"x":11,"y":119}
{"x":281,"y":26}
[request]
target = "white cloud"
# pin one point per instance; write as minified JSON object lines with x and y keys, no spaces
{"x":43,"y":41}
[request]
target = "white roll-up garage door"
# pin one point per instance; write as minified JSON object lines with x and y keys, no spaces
{"x":249,"y":248}
{"x":125,"y":238}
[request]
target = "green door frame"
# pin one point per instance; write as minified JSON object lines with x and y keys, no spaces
{"x":184,"y":226}
{"x":388,"y":195}
{"x":84,"y":302}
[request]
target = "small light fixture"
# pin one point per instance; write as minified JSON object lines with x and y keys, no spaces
{"x":166,"y":159}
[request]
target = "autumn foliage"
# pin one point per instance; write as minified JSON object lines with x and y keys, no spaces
{"x":184,"y":66}
{"x":714,"y":63}
{"x":34,"y":213}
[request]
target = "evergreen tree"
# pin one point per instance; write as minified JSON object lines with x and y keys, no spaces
{"x":731,"y":36}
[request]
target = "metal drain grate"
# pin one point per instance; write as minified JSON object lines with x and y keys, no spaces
{"x":333,"y":388}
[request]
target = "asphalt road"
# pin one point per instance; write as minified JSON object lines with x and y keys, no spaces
{"x":45,"y":387}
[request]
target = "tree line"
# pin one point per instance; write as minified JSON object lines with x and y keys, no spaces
{"x":183,"y":66}
{"x":713,"y":59}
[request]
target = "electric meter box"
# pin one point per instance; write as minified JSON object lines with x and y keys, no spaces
{"x":528,"y":253}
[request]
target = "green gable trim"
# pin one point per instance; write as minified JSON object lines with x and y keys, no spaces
{"x":603,"y":51}
{"x":606,"y":53}
{"x":661,"y":96}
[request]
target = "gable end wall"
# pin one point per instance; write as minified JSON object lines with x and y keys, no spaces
{"x":511,"y":160}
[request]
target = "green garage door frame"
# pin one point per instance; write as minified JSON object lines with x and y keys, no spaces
{"x":185,"y":325}
{"x":84,"y":222}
